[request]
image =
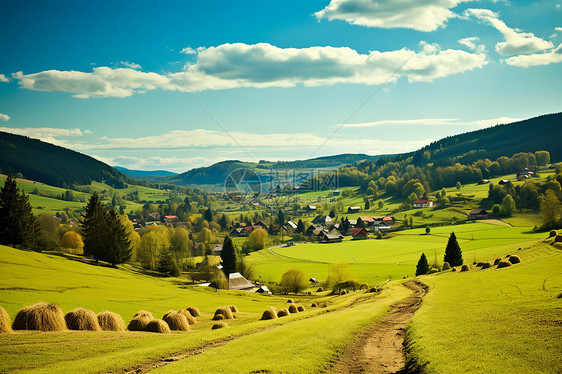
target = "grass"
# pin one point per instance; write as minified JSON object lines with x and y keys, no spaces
{"x":508,"y":320}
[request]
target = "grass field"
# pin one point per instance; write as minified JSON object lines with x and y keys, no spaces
{"x":377,"y":260}
{"x":493,"y":321}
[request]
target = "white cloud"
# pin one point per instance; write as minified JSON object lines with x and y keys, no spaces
{"x":558,"y":28}
{"x":524,"y":61}
{"x":45,"y":132}
{"x":516,"y":41}
{"x":4,"y":79}
{"x":427,"y":15}
{"x":436,"y":122}
{"x":188,"y":51}
{"x":130,"y":65}
{"x":470,"y":43}
{"x":4,"y":117}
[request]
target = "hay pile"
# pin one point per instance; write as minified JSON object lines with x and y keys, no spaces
{"x":446,"y":266}
{"x":503,"y":264}
{"x":465,"y":268}
{"x":82,"y":319}
{"x":233,"y":308}
{"x":514,"y":259}
{"x":320,"y":289}
{"x":140,"y":320}
{"x":270,"y":313}
{"x":293,"y":308}
{"x":110,"y":321}
{"x":223,"y":311}
{"x":290,"y":301}
{"x":453,"y":269}
{"x":5,"y":327}
{"x":219,"y":325}
{"x":558,"y":238}
{"x":300,"y":308}
{"x":479,"y":264}
{"x":497,"y":261}
{"x":188,"y":316}
{"x":283,"y":313}
{"x":486,"y":265}
{"x":313,"y":305}
{"x":552,"y":233}
{"x":40,"y":316}
{"x":193,"y":311}
{"x":157,"y":325}
{"x":176,"y":320}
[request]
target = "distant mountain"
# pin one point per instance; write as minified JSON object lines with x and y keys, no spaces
{"x":143,"y":173}
{"x":53,"y":165}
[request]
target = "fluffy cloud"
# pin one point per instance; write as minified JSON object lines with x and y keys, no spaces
{"x":436,"y":122}
{"x":45,"y":132}
{"x":427,"y":15}
{"x":4,"y":79}
{"x":524,"y":61}
{"x":130,"y":65}
{"x":188,"y":51}
{"x":516,"y":41}
{"x":471,"y":43}
{"x":4,"y":117}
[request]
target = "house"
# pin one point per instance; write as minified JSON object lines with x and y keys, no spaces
{"x":354,"y":209}
{"x":313,"y":280}
{"x":263,"y":290}
{"x":423,"y":204}
{"x":388,"y":220}
{"x":359,"y":233}
{"x":368,"y":220}
{"x":170,"y":219}
{"x":478,"y":214}
{"x":329,"y":237}
{"x":154,"y":215}
{"x":237,"y":232}
{"x":322,"y":220}
{"x":336,"y":192}
{"x":378,"y":226}
{"x":262,"y":225}
{"x":236,"y":281}
{"x":310,"y":208}
{"x":291,"y":225}
{"x":352,"y":222}
{"x":503,"y":182}
{"x":314,"y":230}
{"x":217,"y":250}
{"x":484,"y":181}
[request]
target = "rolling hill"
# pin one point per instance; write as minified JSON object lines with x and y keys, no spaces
{"x":144,"y":173}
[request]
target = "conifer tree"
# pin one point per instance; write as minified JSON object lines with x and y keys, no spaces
{"x":118,"y":244}
{"x":229,"y":256}
{"x":422,"y":267}
{"x":453,"y":252}
{"x":208,"y":215}
{"x":300,"y":227}
{"x":18,"y":225}
{"x":223,"y":221}
{"x":167,"y":265}
{"x":93,"y":226}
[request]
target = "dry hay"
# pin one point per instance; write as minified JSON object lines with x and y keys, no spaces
{"x":320,"y":289}
{"x":453,"y":269}
{"x":176,"y":320}
{"x":374,"y":289}
{"x":218,"y":317}
{"x":290,"y":301}
{"x":82,"y":319}
{"x":5,"y":327}
{"x":503,"y":264}
{"x":313,"y":305}
{"x":446,"y":266}
{"x":283,"y":313}
{"x":465,"y":268}
{"x":497,"y":261}
{"x":293,"y":308}
{"x":558,"y":238}
{"x":190,"y":319}
{"x":479,"y":264}
{"x":514,"y":259}
{"x":486,"y":265}
{"x":270,"y":313}
{"x":219,"y":325}
{"x":225,"y":311}
{"x":157,"y":325}
{"x":194,"y":311}
{"x":552,"y":233}
{"x":300,"y":308}
{"x":140,"y":320}
{"x":233,"y":308}
{"x":40,"y":316}
{"x":110,"y":321}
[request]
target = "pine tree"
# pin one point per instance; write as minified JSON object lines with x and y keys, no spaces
{"x":360,"y":223}
{"x":208,"y":215}
{"x":300,"y":227}
{"x":18,"y":225}
{"x":93,"y":225}
{"x":223,"y":221}
{"x":453,"y":252}
{"x":367,"y":204}
{"x":422,"y":267}
{"x":229,"y":256}
{"x":167,"y":265}
{"x":281,"y":217}
{"x":118,"y":244}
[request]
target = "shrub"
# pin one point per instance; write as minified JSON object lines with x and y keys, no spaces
{"x":497,"y":261}
{"x":224,"y":311}
{"x":5,"y":327}
{"x":176,"y":320}
{"x":465,"y":268}
{"x":293,"y":308}
{"x":503,"y":264}
{"x":109,"y":321}
{"x":82,"y":319}
{"x":270,"y":313}
{"x":514,"y":259}
{"x":40,"y":316}
{"x":190,"y":319}
{"x":194,"y":311}
{"x":446,"y":266}
{"x":293,"y":280}
{"x":283,"y":313}
{"x":300,"y":308}
{"x":344,"y":286}
{"x":486,"y":265}
{"x":140,"y":320}
{"x":219,"y":325}
{"x":157,"y":325}
{"x":233,"y":308}
{"x":552,"y":233}
{"x":72,"y":242}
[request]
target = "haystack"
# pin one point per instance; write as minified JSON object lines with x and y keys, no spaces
{"x":233,"y":308}
{"x":514,"y":259}
{"x":313,"y":305}
{"x":176,"y":320}
{"x":300,"y":308}
{"x":218,"y":317}
{"x":224,"y":311}
{"x":194,"y":311}
{"x":465,"y":268}
{"x":290,"y":301}
{"x":270,"y":313}
{"x":320,"y":289}
{"x":497,"y":261}
{"x":82,"y":319}
{"x":219,"y":325}
{"x":40,"y":316}
{"x":140,"y":320}
{"x":552,"y":233}
{"x":486,"y":265}
{"x":110,"y":321}
{"x":479,"y":264}
{"x":5,"y":327}
{"x":446,"y":266}
{"x":157,"y":325}
{"x":283,"y":313}
{"x":503,"y":264}
{"x":293,"y":308}
{"x":558,"y":238}
{"x":188,"y":316}
{"x":453,"y":269}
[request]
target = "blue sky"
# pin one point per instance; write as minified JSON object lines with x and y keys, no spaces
{"x":181,"y":84}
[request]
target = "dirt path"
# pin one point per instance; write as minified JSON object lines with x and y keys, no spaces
{"x":379,"y":348}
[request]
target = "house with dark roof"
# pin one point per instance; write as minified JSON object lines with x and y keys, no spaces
{"x":314,"y":230}
{"x":423,"y":203}
{"x":329,"y":237}
{"x":478,"y":214}
{"x":236,"y":281}
{"x":359,"y":233}
{"x":322,"y":220}
{"x":353,"y":209}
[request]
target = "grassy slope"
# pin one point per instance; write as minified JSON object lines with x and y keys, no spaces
{"x":495,"y":320}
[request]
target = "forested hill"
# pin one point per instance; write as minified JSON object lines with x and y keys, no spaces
{"x":53,"y":165}
{"x":538,"y":133}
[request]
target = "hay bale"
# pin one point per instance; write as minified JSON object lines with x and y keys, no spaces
{"x":313,"y":305}
{"x":504,"y":264}
{"x":218,"y":317}
{"x":224,"y":311}
{"x":479,"y":264}
{"x":283,"y":313}
{"x":514,"y":259}
{"x":233,"y":308}
{"x":193,"y":311}
{"x":497,"y":261}
{"x":82,"y":319}
{"x":446,"y":266}
{"x":343,"y":292}
{"x":5,"y":327}
{"x":507,"y":256}
{"x":219,"y":325}
{"x":465,"y":268}
{"x":140,"y":320}
{"x":290,"y":301}
{"x":293,"y":308}
{"x":300,"y":308}
{"x":270,"y":313}
{"x":552,"y":233}
{"x":558,"y":238}
{"x":320,"y":289}
{"x":40,"y":316}
{"x":110,"y":321}
{"x":190,"y":319}
{"x":374,"y":289}
{"x":157,"y":325}
{"x":176,"y":320}
{"x":486,"y":265}
{"x":453,"y":269}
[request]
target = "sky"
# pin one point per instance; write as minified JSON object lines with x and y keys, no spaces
{"x":176,"y":85}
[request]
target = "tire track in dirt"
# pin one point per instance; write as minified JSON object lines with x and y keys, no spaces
{"x":380,"y":347}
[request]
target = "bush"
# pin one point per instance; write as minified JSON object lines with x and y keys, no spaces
{"x":293,"y":280}
{"x":347,"y":285}
{"x":157,"y":325}
{"x":82,"y":319}
{"x":193,"y":311}
{"x":40,"y":316}
{"x":109,"y":321}
{"x":219,"y":325}
{"x":225,"y":311}
{"x":283,"y":313}
{"x":72,"y":242}
{"x":176,"y":320}
{"x":5,"y":327}
{"x":270,"y":313}
{"x":514,"y":259}
{"x":140,"y":320}
{"x":503,"y":264}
